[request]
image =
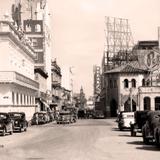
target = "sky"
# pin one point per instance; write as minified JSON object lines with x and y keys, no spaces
{"x":78,"y":31}
{"x":78,"y":37}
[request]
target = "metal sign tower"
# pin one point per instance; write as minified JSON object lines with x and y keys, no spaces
{"x":119,"y":40}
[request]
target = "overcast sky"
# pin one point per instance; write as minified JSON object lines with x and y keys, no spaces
{"x":78,"y":31}
{"x":78,"y":36}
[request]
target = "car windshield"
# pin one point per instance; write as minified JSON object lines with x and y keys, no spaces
{"x":16,"y":115}
{"x":3,"y":116}
{"x":41,"y":114}
{"x":128,"y":116}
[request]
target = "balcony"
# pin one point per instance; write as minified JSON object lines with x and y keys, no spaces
{"x":14,"y":77}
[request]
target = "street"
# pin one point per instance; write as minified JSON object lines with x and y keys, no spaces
{"x":93,"y":139}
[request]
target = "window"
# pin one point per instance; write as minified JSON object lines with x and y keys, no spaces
{"x":13,"y":98}
{"x":115,"y":84}
{"x":17,"y":98}
{"x":37,"y":28}
{"x":143,"y":82}
{"x":21,"y":98}
{"x":126,"y":83}
{"x":110,"y":82}
{"x":133,"y":81}
{"x":147,"y":103}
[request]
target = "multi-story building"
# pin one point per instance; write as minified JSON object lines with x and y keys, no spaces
{"x":25,"y":42}
{"x":135,"y":85}
{"x":17,"y":84}
{"x":32,"y":17}
{"x":56,"y":86}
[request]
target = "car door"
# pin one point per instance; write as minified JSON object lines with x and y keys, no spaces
{"x":8,"y":124}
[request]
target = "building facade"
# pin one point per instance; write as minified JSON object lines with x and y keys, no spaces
{"x":56,"y":86}
{"x":17,"y":84}
{"x":135,"y":85}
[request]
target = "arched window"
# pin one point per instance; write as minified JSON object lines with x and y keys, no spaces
{"x":126,"y":83}
{"x":143,"y":82}
{"x":133,"y":81}
{"x":147,"y":103}
{"x":157,"y":103}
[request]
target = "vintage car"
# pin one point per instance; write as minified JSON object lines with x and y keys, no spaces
{"x":157,"y":135}
{"x":41,"y":117}
{"x":153,"y":121}
{"x":73,"y":112}
{"x":125,"y":119}
{"x":64,"y":117}
{"x":51,"y":115}
{"x":19,"y":121}
{"x":140,"y":118}
{"x":6,"y":124}
{"x":98,"y":114}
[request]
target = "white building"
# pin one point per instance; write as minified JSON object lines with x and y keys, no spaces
{"x":18,"y":88}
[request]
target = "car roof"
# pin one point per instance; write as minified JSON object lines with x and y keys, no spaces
{"x":3,"y":113}
{"x":16,"y":112}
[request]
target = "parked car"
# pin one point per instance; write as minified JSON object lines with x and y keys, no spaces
{"x":98,"y":114}
{"x":73,"y":112}
{"x":41,"y":117}
{"x":125,"y":119}
{"x":51,"y":115}
{"x":157,"y":134}
{"x":64,"y":117}
{"x":6,"y":124}
{"x":150,"y":125}
{"x":19,"y":121}
{"x":140,"y":118}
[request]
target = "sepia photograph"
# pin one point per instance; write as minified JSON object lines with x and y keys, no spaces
{"x":79,"y":80}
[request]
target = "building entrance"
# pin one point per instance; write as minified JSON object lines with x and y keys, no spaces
{"x":128,"y":107}
{"x":113,"y":108}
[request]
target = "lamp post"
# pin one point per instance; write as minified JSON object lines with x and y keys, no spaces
{"x":130,"y":90}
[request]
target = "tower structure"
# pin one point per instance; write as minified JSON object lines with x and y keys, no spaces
{"x":119,"y":41}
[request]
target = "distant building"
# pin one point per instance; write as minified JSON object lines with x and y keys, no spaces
{"x":56,"y":86}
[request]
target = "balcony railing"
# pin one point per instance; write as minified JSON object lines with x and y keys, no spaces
{"x":14,"y":77}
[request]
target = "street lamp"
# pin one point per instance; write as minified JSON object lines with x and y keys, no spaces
{"x":130,"y":90}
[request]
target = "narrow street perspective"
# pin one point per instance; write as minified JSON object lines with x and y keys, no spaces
{"x":87,"y":139}
{"x":79,"y":80}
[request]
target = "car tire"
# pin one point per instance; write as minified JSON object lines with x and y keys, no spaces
{"x":133,"y":133}
{"x":11,"y":132}
{"x":20,"y":130}
{"x":145,"y":140}
{"x":157,"y":140}
{"x":4,"y":132}
{"x":25,"y":129}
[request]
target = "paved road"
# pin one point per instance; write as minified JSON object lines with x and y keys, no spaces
{"x":84,"y":140}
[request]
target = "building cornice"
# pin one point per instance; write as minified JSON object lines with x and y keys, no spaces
{"x":8,"y":30}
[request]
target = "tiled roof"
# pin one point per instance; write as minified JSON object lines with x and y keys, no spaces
{"x":132,"y":67}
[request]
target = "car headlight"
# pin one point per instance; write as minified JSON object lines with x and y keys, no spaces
{"x":16,"y":122}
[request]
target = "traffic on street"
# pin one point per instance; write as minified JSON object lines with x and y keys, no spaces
{"x":87,"y":139}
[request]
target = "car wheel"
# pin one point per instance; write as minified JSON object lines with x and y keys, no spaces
{"x":4,"y":132}
{"x":11,"y":132}
{"x":157,"y":142}
{"x":25,"y":129}
{"x":20,"y":130}
{"x":145,"y":140}
{"x":133,"y":133}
